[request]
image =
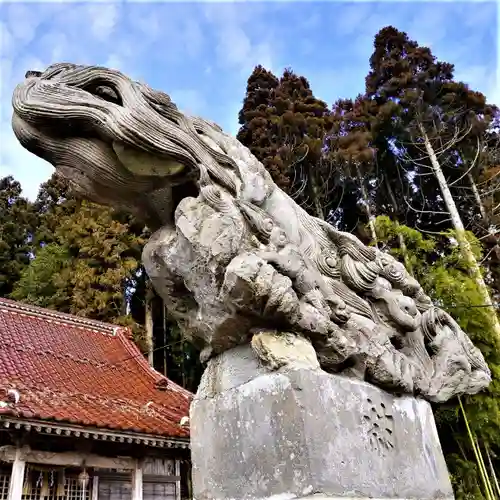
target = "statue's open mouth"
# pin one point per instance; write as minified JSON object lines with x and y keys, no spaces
{"x":170,"y":181}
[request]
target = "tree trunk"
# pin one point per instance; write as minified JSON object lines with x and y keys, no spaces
{"x":486,"y":221}
{"x":401,"y":239}
{"x":460,"y":230}
{"x":149,"y":320}
{"x":369,"y":215}
{"x":477,"y":197}
{"x":124,"y":306}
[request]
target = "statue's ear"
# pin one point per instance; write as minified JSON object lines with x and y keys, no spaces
{"x":31,"y":74}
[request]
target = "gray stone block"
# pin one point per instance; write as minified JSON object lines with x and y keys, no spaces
{"x":302,"y":433}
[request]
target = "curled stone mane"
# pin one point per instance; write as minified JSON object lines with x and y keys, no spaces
{"x":233,"y":257}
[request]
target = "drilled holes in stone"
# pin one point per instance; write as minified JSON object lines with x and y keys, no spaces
{"x":380,"y":426}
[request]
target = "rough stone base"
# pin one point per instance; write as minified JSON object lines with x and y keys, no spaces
{"x":306,"y":433}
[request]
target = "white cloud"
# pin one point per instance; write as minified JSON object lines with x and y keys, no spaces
{"x":7,"y":39}
{"x":176,"y":24}
{"x":234,"y":45}
{"x":312,"y":21}
{"x":103,"y":19}
{"x":189,"y":101}
{"x":22,"y":21}
{"x":352,"y":18}
{"x":5,"y":77}
{"x":149,"y":24}
{"x":244,"y":38}
{"x":193,"y":37}
{"x":54,"y":44}
{"x":114,"y":62}
{"x":26,"y":168}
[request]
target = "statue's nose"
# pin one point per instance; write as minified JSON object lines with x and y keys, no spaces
{"x":31,"y":74}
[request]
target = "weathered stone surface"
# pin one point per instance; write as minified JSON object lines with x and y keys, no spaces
{"x":277,"y":350}
{"x":306,"y":433}
{"x":232,"y":253}
{"x":230,"y":369}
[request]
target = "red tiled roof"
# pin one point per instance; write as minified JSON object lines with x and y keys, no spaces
{"x":78,"y":371}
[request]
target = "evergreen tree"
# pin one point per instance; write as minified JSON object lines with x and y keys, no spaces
{"x":304,"y":124}
{"x":360,"y":146}
{"x":435,"y":128}
{"x":435,"y":121}
{"x":255,"y":119}
{"x":284,"y":125}
{"x":398,"y":65}
{"x":86,"y":268}
{"x":54,"y":201}
{"x":421,"y":95}
{"x":17,"y":222}
{"x":46,"y":282}
{"x":484,"y":181}
{"x":350,"y":148}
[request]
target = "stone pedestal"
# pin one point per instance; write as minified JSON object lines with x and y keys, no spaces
{"x":297,"y":433}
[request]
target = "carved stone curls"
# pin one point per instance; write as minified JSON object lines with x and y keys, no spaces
{"x":233,"y":256}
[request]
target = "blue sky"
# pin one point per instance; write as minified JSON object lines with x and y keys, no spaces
{"x":201,"y":53}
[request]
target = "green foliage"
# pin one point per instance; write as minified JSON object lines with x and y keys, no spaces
{"x":105,"y":255}
{"x":444,"y":275}
{"x":464,"y":477}
{"x":53,"y":202}
{"x":85,"y":268}
{"x":487,"y":477}
{"x":17,"y":222}
{"x":44,"y":282}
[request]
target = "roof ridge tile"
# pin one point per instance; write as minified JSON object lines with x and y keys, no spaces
{"x":56,"y":316}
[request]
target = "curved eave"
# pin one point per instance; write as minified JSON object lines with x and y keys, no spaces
{"x":66,"y":430}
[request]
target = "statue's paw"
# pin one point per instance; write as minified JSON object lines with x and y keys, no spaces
{"x":254,"y":286}
{"x":313,"y":321}
{"x":335,"y":349}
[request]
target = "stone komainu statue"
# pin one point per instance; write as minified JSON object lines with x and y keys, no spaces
{"x":234,"y":258}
